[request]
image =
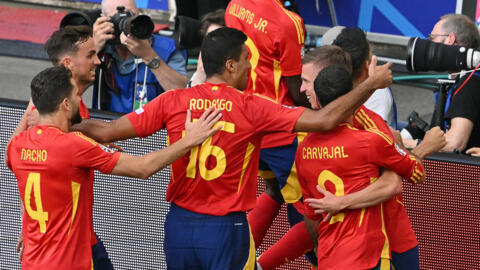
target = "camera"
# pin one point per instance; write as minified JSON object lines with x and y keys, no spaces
{"x":426,"y":55}
{"x":187,"y":33}
{"x":139,"y":26}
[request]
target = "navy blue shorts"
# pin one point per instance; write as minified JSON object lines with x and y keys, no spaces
{"x":100,"y":258}
{"x":198,"y":241}
{"x":407,"y":260}
{"x":279,"y":163}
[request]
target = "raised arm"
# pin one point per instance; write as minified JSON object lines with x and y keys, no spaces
{"x":146,"y":165}
{"x":106,"y":131}
{"x":341,"y":108}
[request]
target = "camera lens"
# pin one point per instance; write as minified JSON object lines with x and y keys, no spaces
{"x":140,"y":26}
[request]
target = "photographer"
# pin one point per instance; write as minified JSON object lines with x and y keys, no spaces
{"x":126,"y":83}
{"x":463,"y":101}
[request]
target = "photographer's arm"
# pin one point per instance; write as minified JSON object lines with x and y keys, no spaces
{"x":166,"y":76}
{"x":458,"y":134}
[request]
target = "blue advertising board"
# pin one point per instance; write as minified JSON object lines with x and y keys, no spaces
{"x":150,"y":4}
{"x":396,"y":17}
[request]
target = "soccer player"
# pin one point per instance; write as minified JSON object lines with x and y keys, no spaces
{"x":213,"y":187}
{"x":343,"y":161}
{"x":74,"y":48}
{"x":53,"y":170}
{"x":275,"y":41}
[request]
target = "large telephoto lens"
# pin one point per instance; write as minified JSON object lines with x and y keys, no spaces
{"x":140,"y":26}
{"x":425,"y":55}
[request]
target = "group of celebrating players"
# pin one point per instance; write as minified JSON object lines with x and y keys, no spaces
{"x":342,"y":180}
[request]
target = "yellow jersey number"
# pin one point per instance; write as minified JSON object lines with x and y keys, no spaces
{"x":328,"y":176}
{"x":207,"y":149}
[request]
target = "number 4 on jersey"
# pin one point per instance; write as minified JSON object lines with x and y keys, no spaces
{"x":33,"y":182}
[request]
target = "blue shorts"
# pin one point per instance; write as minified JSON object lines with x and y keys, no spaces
{"x":198,"y":241}
{"x":407,"y":260}
{"x":100,"y":258}
{"x":279,"y":163}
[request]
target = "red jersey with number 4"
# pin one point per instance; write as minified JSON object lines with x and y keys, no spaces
{"x":219,"y":176}
{"x":275,"y":40}
{"x":344,"y":161}
{"x":399,"y":228}
{"x":53,"y":176}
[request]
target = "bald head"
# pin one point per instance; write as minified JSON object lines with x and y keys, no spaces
{"x":109,"y":7}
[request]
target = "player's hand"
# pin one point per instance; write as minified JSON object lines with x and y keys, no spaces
{"x":139,"y":47}
{"x":19,"y":247}
{"x":204,"y":127}
{"x":114,"y":146}
{"x":434,"y":140}
{"x":329,"y":204}
{"x":103,"y":30}
{"x":474,"y":151}
{"x":32,"y":117}
{"x":379,"y":76}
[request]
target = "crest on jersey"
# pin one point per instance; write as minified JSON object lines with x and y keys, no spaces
{"x":106,"y":149}
{"x":400,"y":150}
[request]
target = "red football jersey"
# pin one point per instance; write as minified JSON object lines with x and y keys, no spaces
{"x":52,"y":170}
{"x":219,"y":176}
{"x":344,"y":161}
{"x":398,"y":225}
{"x":276,"y":38}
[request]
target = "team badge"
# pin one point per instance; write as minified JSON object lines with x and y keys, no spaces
{"x":400,"y":150}
{"x":106,"y":149}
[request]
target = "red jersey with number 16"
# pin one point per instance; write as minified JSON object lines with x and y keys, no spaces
{"x":53,"y":175}
{"x":219,"y":176}
{"x":344,"y":161}
{"x":276,"y":38}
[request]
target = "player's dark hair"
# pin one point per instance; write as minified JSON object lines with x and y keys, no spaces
{"x":65,"y":41}
{"x":354,"y":42}
{"x":213,"y":17}
{"x":327,"y":55}
{"x":219,"y":46}
{"x":50,"y":87}
{"x":332,"y":82}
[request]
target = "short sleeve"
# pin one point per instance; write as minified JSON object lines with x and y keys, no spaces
{"x":387,"y":154}
{"x":466,"y":101}
{"x":150,"y":118}
{"x":269,"y":116}
{"x":290,"y":42}
{"x":87,"y":153}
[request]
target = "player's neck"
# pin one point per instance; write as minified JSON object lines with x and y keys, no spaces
{"x":82,"y":86}
{"x":56,"y":120}
{"x":216,"y":79}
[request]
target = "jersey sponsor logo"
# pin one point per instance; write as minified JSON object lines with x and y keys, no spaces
{"x":400,"y":150}
{"x":106,"y":149}
{"x":323,"y":152}
{"x":199,"y":104}
{"x":33,"y":155}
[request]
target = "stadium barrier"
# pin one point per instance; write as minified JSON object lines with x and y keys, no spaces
{"x":129,"y":213}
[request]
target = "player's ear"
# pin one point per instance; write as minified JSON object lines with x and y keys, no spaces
{"x":230,"y":65}
{"x":66,"y":61}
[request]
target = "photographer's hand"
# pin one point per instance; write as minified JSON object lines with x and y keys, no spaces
{"x":379,"y":76}
{"x":102,"y":32}
{"x":166,"y":76}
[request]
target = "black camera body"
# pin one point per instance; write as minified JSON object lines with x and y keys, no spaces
{"x":139,"y":26}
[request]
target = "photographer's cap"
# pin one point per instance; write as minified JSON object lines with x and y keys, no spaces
{"x":331,"y":35}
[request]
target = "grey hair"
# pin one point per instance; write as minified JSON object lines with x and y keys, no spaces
{"x":464,"y":29}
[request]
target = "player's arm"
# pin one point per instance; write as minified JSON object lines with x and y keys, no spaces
{"x":146,"y":165}
{"x":341,"y":108}
{"x":106,"y":131}
{"x":312,"y":228}
{"x":386,"y":186}
{"x":433,"y":141}
{"x":24,"y":121}
{"x":299,"y":98}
